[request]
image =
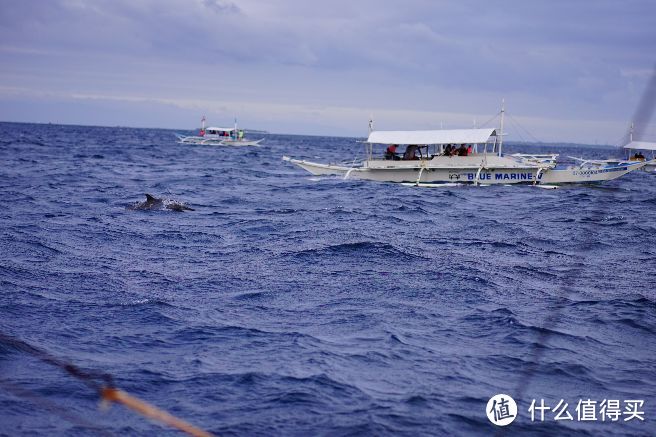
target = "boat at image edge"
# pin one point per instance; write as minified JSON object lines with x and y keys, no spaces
{"x":632,"y":146}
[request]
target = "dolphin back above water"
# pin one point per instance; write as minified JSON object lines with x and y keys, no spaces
{"x":153,"y":203}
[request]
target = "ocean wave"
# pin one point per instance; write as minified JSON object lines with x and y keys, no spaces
{"x":365,"y":248}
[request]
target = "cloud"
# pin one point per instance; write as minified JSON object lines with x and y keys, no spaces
{"x":221,"y":7}
{"x":550,"y":59}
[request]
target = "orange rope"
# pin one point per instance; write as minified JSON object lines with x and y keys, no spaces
{"x":144,"y":408}
{"x":103,"y":384}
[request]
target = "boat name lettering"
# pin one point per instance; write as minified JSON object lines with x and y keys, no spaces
{"x":502,"y":176}
{"x":589,"y":172}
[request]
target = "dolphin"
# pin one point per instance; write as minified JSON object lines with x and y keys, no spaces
{"x":153,"y":203}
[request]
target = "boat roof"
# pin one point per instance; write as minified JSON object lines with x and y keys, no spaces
{"x":224,"y":129}
{"x":442,"y":136}
{"x":642,"y":145}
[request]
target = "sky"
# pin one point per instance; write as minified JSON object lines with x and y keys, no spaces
{"x":568,"y":70}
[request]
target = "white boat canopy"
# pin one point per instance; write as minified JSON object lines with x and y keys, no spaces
{"x":641,"y":145}
{"x":424,"y":137}
{"x":220,"y":129}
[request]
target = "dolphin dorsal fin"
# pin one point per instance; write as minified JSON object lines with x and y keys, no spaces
{"x":150,"y":198}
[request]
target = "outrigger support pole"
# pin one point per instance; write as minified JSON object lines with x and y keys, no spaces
{"x":537,"y":175}
{"x":419,"y":177}
{"x":421,"y":170}
{"x":478,"y":175}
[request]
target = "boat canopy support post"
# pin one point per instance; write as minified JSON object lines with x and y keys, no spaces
{"x":503,"y":111}
{"x":369,"y":147}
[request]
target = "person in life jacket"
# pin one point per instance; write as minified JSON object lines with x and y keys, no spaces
{"x":390,"y":153}
{"x":202,"y":132}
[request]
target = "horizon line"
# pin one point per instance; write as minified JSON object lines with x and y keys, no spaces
{"x":264,"y":132}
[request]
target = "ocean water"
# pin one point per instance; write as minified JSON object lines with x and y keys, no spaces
{"x":292,"y":305}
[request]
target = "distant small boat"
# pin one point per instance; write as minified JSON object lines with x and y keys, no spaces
{"x":218,"y":136}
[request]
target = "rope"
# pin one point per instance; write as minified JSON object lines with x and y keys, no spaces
{"x":490,"y":120}
{"x":103,"y":384}
{"x":150,"y":411}
{"x":94,"y":380}
{"x":519,"y":126}
{"x":64,"y":413}
{"x":644,"y":112}
{"x":518,"y":133}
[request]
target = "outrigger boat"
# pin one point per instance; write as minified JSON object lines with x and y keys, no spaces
{"x":634,"y":151}
{"x":427,"y":161}
{"x":218,"y":136}
{"x":638,"y":147}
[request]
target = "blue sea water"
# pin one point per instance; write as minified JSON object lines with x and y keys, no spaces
{"x":292,"y":305}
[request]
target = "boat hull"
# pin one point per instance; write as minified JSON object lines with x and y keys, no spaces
{"x":204,"y":141}
{"x":589,"y":175}
{"x":422,"y":173}
{"x":649,"y":165}
{"x":318,"y":169}
{"x":441,"y":175}
{"x":241,"y":143}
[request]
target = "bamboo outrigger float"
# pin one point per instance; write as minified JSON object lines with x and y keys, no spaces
{"x":429,"y":161}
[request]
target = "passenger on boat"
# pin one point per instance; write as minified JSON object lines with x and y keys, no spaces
{"x":241,"y":135}
{"x":390,"y":153}
{"x":639,"y":156}
{"x":462,"y":150}
{"x":469,"y":150}
{"x":410,"y":152}
{"x":447,"y":150}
